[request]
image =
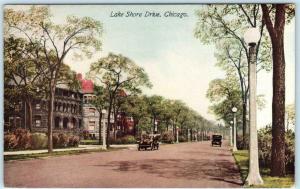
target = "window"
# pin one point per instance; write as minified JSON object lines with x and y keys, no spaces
{"x":92,"y":125}
{"x":92,"y":111}
{"x":37,"y":121}
{"x":38,"y":106}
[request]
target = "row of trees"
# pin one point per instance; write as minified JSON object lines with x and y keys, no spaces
{"x":224,"y":26}
{"x":35,"y":49}
{"x":120,"y":82}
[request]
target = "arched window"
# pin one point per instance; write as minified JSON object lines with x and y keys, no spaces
{"x":56,"y":122}
{"x":65,"y":123}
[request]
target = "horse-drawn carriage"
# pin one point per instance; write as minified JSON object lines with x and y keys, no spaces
{"x":149,"y":141}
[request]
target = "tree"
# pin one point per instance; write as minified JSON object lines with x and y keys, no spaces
{"x":116,"y":72}
{"x":53,"y":42}
{"x":155,"y":108}
{"x":224,"y":25}
{"x":276,"y":32}
{"x":24,"y":79}
{"x":100,"y":102}
{"x":136,"y":107}
{"x":21,"y":76}
{"x":225,"y":94}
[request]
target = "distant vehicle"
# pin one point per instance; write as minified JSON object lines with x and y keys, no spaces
{"x":149,"y":141}
{"x":216,"y":140}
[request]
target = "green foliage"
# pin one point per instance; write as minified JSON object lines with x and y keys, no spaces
{"x":39,"y":141}
{"x":265,"y":148}
{"x":119,"y":72}
{"x":225,"y":94}
{"x":128,"y":139}
{"x":242,"y":160}
{"x":167,"y":137}
{"x":89,"y":142}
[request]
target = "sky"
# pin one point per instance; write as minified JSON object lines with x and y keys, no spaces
{"x":179,"y":65}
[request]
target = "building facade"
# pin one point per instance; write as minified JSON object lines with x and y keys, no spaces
{"x":67,"y":113}
{"x":73,"y":113}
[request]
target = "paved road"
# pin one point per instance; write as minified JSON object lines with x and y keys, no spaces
{"x":179,"y":165}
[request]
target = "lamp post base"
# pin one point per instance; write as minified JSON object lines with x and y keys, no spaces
{"x":234,"y":149}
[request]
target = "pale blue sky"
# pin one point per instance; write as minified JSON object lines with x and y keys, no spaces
{"x":179,"y":65}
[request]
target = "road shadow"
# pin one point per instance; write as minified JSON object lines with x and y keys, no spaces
{"x":190,"y":169}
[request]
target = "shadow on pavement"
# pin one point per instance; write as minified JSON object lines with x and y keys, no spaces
{"x":221,"y":170}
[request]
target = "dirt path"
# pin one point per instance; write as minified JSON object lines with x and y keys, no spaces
{"x":179,"y":165}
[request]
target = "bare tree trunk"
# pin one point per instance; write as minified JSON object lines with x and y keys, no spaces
{"x":108,"y":125}
{"x":100,"y":123}
{"x":135,"y":123}
{"x":29,"y":115}
{"x":50,"y":116}
{"x":276,"y":32}
{"x":278,"y":109}
{"x":245,"y":146}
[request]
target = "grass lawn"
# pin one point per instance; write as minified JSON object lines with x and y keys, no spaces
{"x":59,"y":153}
{"x":89,"y":142}
{"x":241,"y":158}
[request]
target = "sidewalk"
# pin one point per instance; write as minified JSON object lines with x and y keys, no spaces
{"x":80,"y":147}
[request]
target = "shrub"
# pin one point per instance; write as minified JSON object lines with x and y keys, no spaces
{"x":290,"y":150}
{"x":63,"y":140}
{"x":55,"y":140}
{"x":73,"y":141}
{"x":38,"y":141}
{"x":167,"y":137}
{"x":182,"y":139}
{"x":128,"y":139}
{"x":10,"y":141}
{"x":23,"y":139}
{"x":240,"y":144}
{"x":85,"y":134}
{"x":265,"y":148}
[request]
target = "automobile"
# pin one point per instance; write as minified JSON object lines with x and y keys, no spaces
{"x":216,"y":140}
{"x":149,"y":141}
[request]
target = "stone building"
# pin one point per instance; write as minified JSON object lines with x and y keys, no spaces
{"x":67,"y":113}
{"x":73,"y":112}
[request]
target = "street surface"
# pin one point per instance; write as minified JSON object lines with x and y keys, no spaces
{"x":180,"y":165}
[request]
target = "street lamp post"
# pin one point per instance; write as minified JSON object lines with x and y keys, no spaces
{"x":231,"y":130}
{"x":155,"y":128}
{"x":234,"y":110}
{"x":177,"y":135}
{"x":103,"y":131}
{"x":251,"y":37}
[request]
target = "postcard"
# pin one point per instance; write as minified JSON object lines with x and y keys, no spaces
{"x":149,"y":95}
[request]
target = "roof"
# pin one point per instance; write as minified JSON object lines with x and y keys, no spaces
{"x":87,"y":85}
